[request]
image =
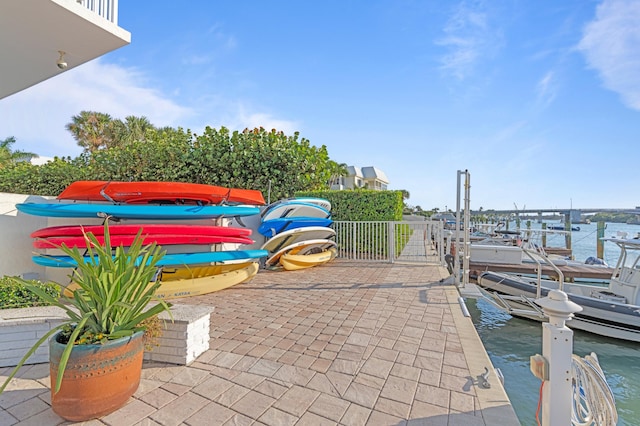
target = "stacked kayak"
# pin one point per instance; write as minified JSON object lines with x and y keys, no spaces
{"x":184,"y":282}
{"x":135,"y":211}
{"x":159,"y":192}
{"x":162,"y":234}
{"x":299,"y":233}
{"x":197,"y":261}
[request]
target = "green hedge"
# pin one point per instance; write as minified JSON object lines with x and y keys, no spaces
{"x":14,"y":295}
{"x":361,"y":205}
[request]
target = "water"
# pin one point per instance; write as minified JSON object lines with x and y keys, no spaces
{"x":510,"y":341}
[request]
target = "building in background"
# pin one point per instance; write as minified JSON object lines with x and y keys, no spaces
{"x":362,"y":177}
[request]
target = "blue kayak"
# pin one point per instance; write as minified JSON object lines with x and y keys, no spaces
{"x":272,"y":227}
{"x":172,"y":259}
{"x":131,"y":211}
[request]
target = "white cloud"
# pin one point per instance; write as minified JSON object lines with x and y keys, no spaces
{"x":546,"y":89}
{"x":468,"y":37}
{"x":252,"y":120}
{"x":37,"y":116}
{"x":610,"y":44}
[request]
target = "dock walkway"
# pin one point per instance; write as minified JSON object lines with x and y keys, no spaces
{"x":342,"y":344}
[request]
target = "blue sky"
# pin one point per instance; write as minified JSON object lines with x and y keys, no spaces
{"x":539,"y":100}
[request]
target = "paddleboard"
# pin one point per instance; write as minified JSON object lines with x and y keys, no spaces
{"x":132,"y":229}
{"x":275,"y":226}
{"x":168,"y":259}
{"x":325,"y":204}
{"x":151,"y":191}
{"x":292,"y":236}
{"x":292,"y":261}
{"x":294,"y":209}
{"x":179,"y":288}
{"x":127,"y":240}
{"x":128,"y":211}
{"x":304,"y":247}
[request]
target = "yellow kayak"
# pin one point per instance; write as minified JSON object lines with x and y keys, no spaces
{"x":186,"y":272}
{"x":292,"y":261}
{"x":185,"y":287}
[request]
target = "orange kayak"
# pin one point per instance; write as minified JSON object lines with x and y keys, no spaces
{"x":159,"y":192}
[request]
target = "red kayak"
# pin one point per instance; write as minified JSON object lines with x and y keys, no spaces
{"x":147,"y":229}
{"x":127,"y":240}
{"x":159,"y":192}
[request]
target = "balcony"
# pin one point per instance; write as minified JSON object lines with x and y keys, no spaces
{"x":34,"y":32}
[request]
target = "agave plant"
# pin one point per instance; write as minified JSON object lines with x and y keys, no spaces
{"x":112,"y":296}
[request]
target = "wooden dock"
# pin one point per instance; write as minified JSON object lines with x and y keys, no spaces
{"x":570,"y":272}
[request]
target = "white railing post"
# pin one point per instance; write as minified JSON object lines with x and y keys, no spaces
{"x":391,"y":243}
{"x":557,"y":349}
{"x":353,"y":241}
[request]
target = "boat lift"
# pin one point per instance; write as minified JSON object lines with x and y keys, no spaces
{"x":501,"y":301}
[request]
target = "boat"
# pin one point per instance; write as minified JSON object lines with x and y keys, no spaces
{"x":170,"y":259}
{"x":294,"y":208}
{"x":273,"y":227}
{"x":293,"y":261}
{"x":492,"y":250}
{"x":561,"y":227}
{"x":611,"y":309}
{"x":172,"y":288}
{"x":163,"y":234}
{"x":144,"y":192}
{"x":133,"y":211}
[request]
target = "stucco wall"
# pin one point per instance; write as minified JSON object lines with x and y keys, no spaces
{"x":16,"y":246}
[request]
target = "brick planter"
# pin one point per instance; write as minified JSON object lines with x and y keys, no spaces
{"x":184,"y":339}
{"x":181,"y":343}
{"x":21,"y":328}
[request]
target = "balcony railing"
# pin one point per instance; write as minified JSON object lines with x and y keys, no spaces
{"x":108,"y":9}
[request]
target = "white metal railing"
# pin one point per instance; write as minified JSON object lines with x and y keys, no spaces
{"x":389,"y":241}
{"x":108,"y":9}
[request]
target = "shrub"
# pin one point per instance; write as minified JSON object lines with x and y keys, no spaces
{"x":14,"y":294}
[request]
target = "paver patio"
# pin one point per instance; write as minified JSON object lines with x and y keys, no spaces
{"x":347,"y":343}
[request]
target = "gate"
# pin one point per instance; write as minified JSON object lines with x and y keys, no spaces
{"x":406,"y":241}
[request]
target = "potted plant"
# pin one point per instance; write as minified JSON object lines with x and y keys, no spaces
{"x":96,"y":355}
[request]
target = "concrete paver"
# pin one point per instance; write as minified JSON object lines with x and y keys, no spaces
{"x":348,"y":343}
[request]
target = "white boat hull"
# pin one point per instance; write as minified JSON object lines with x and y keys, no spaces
{"x":603,"y":317}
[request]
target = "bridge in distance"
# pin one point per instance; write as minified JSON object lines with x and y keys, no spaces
{"x":574,"y":213}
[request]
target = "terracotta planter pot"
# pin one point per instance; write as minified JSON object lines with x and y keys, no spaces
{"x":98,"y":379}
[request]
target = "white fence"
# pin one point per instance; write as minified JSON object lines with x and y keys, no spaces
{"x":413,"y":242}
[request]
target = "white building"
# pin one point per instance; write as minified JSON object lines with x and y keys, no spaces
{"x":40,"y":39}
{"x":362,"y":177}
{"x":43,"y":38}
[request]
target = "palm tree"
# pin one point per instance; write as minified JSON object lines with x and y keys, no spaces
{"x":91,"y":130}
{"x":7,"y":156}
{"x":130,"y":130}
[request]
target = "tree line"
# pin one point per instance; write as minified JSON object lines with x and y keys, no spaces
{"x":134,"y":149}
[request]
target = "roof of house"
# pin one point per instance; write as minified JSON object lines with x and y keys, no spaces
{"x":371,"y":172}
{"x":368,"y":172}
